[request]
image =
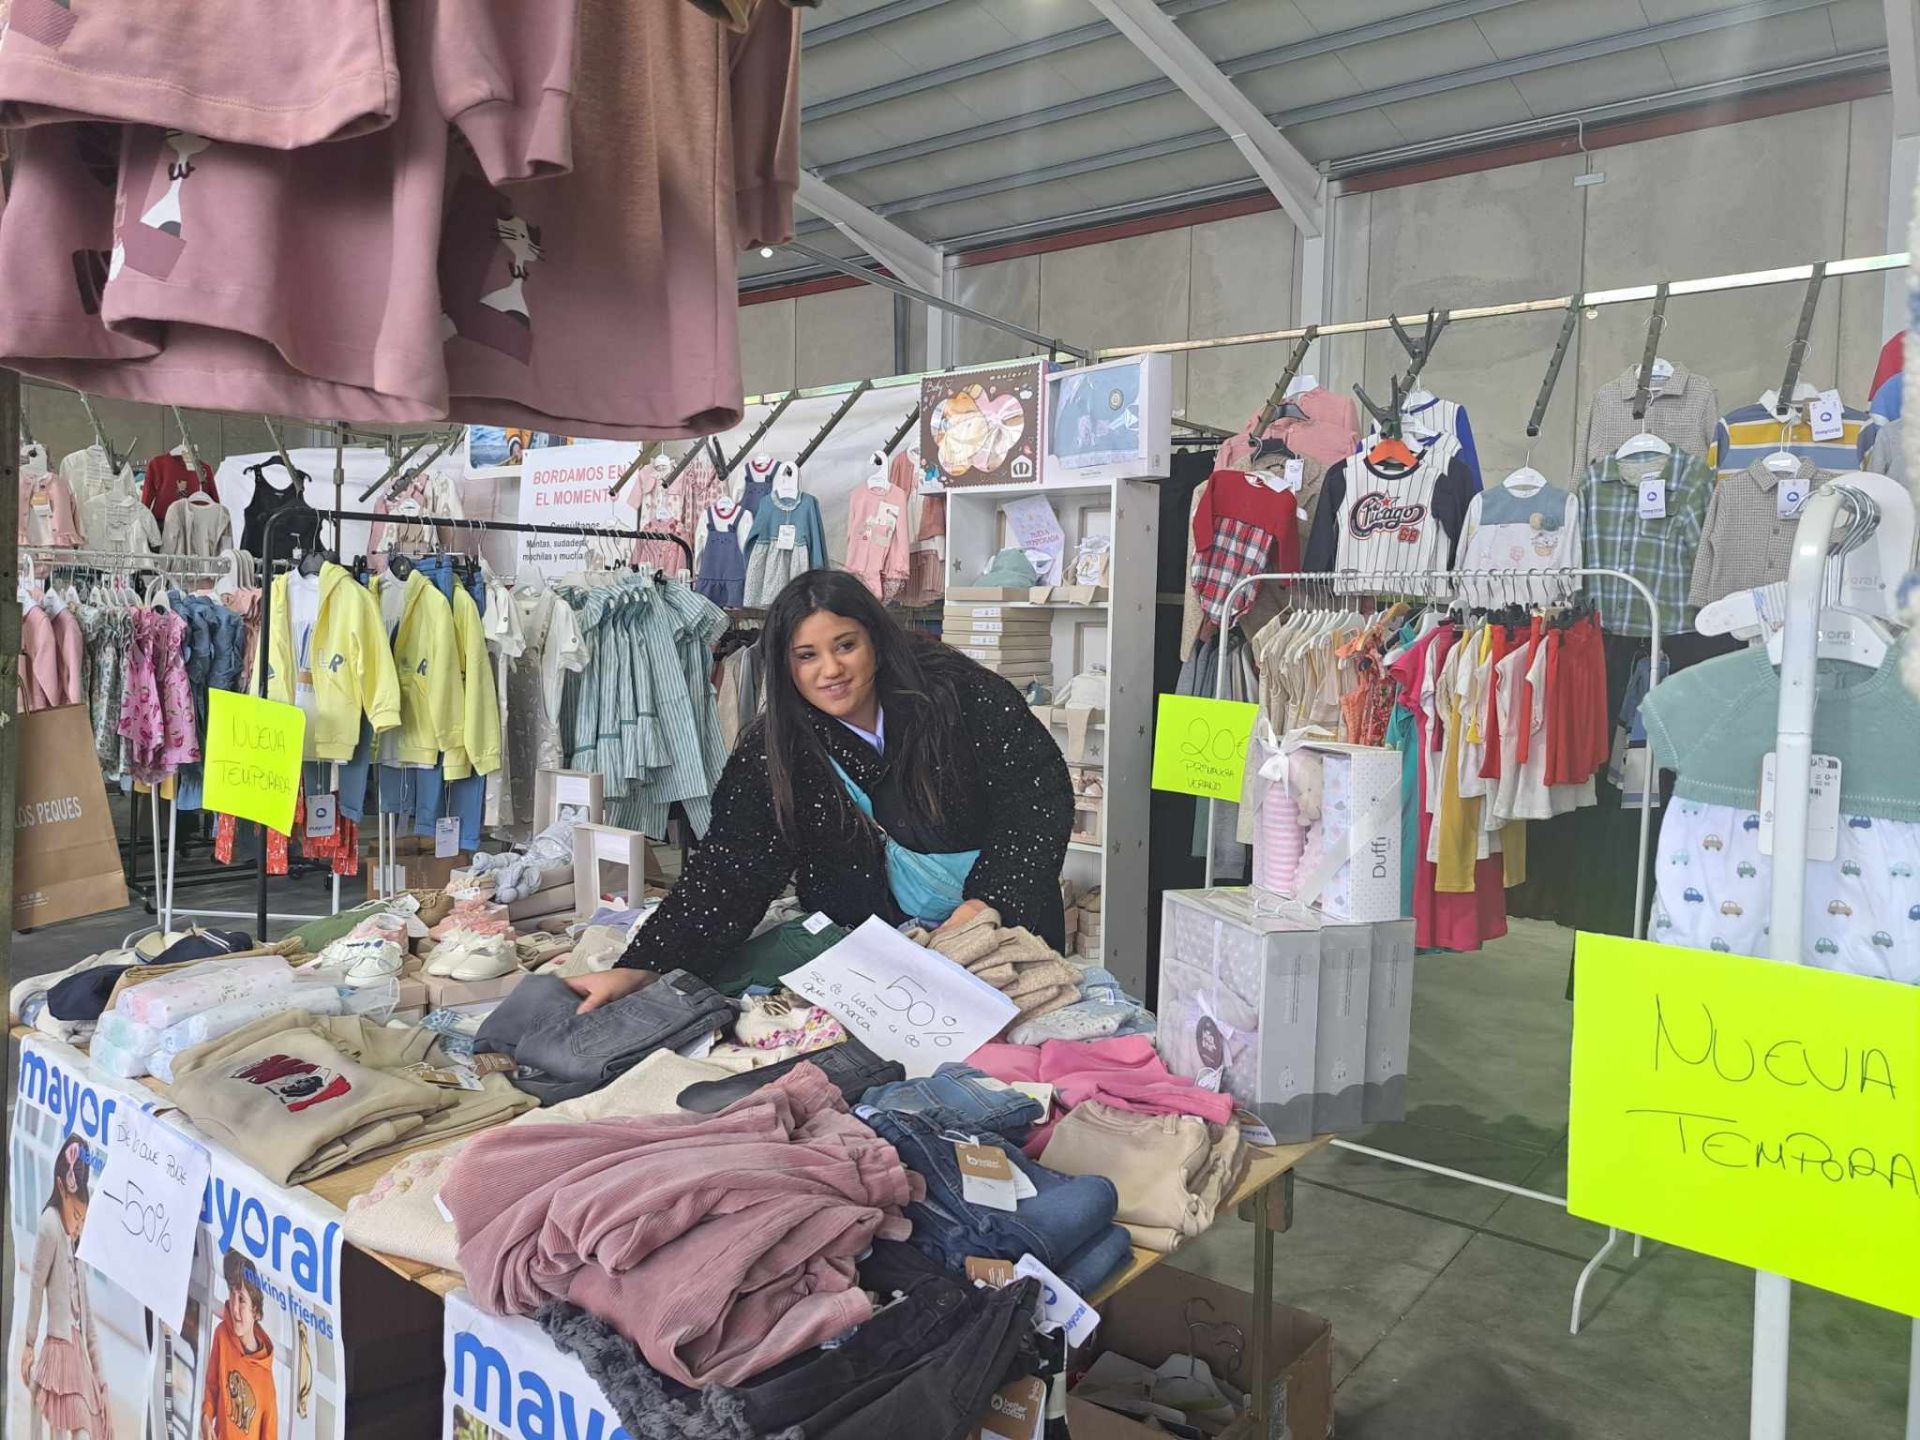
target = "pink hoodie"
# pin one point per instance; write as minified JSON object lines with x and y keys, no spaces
{"x":283,"y":76}
{"x":288,"y":281}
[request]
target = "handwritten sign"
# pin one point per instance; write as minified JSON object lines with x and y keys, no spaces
{"x":907,"y":1003}
{"x":254,"y":749}
{"x":146,"y":1210}
{"x":1765,"y":1113}
{"x":1200,"y":746}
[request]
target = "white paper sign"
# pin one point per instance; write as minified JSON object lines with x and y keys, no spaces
{"x":1035,"y":528}
{"x":907,"y":1003}
{"x":572,"y":485}
{"x":139,"y":1231}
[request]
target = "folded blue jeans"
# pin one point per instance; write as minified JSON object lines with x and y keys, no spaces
{"x":1067,"y":1226}
{"x":953,"y":1098}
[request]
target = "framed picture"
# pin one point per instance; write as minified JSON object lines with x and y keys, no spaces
{"x":1109,"y":422}
{"x":983,"y":427}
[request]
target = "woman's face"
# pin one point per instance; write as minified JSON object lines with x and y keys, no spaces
{"x":833,"y":664}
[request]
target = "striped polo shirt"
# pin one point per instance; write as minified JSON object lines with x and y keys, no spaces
{"x":1744,"y":435}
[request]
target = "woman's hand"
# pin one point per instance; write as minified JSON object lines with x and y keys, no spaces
{"x":607,"y":985}
{"x":966,"y":912}
{"x":26,"y":1365}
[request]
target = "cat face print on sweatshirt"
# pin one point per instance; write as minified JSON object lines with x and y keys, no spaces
{"x":156,"y":222}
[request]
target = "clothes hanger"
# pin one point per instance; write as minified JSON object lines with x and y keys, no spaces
{"x":1845,"y":634}
{"x":1645,"y":443}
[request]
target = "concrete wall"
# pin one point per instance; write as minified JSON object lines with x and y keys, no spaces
{"x":1774,"y":191}
{"x":55,"y":419}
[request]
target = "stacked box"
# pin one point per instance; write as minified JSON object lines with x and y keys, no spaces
{"x":1305,"y":1022}
{"x":1010,"y":641}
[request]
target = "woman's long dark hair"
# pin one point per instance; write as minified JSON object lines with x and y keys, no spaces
{"x":82,"y":1164}
{"x":918,"y":698}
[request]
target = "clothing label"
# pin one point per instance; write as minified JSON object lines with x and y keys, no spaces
{"x":666,"y":506}
{"x":1653,"y":496}
{"x":1023,"y":1188}
{"x":988,"y":1161}
{"x":993,"y":1194}
{"x":784,"y":538}
{"x":441,"y":1206}
{"x":990,"y":1272}
{"x":1293,"y":474}
{"x":815,"y":923}
{"x":1823,"y":806}
{"x":1826,"y":413}
{"x":446,"y":837}
{"x":322,"y":816}
{"x":1254,"y":1130}
{"x":1789,"y":496}
{"x":1015,"y":1412}
{"x":1041,"y":1092}
{"x":1060,"y":1307}
{"x":444,"y":1077}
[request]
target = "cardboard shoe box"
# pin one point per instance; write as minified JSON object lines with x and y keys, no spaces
{"x":1146,"y":1322}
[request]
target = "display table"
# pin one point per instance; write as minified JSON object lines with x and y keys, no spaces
{"x":1264,"y":1197}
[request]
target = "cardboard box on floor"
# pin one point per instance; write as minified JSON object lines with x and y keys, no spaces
{"x":415,"y":866}
{"x":1145,"y":1322}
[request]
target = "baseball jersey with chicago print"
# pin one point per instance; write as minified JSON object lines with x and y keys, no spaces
{"x":1377,"y":523}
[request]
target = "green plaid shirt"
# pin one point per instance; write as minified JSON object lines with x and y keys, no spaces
{"x":1658,"y":553}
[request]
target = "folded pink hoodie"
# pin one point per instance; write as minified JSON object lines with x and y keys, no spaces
{"x":296,"y":282}
{"x":719,"y":1244}
{"x":283,"y":76}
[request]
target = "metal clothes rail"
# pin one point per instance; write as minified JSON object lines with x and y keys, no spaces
{"x":1407,"y":584}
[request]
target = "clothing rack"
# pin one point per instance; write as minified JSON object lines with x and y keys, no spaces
{"x":1797,"y":349}
{"x":808,"y":450}
{"x":1407,"y":583}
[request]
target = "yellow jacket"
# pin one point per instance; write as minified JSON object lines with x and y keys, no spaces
{"x":479,"y":752}
{"x":352,"y":666}
{"x":428,"y":658}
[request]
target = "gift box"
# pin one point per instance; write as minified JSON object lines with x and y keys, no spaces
{"x":1326,"y":831}
{"x":1389,"y":1021}
{"x":1238,"y":1004}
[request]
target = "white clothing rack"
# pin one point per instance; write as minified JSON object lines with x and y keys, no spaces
{"x":1409,"y":583}
{"x":1793,"y":750}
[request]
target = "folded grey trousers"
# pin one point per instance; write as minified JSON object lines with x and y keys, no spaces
{"x":562,"y":1054}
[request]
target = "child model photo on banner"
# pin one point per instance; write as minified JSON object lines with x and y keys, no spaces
{"x":257,"y":1355}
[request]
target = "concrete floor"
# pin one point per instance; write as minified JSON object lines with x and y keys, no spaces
{"x":1449,"y":1302}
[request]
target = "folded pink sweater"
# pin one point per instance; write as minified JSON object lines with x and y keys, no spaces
{"x":1123,"y":1071}
{"x":719,"y":1244}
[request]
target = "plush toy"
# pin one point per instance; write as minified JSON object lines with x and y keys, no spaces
{"x":517,"y":874}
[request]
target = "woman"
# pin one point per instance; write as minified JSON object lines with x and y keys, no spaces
{"x":62,"y":1373}
{"x":971,"y":807}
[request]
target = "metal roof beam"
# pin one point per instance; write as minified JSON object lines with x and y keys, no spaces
{"x":1903,"y":55}
{"x":829,"y":31}
{"x":1283,"y":169}
{"x":1362,"y":99}
{"x":990,"y":63}
{"x":907,"y":256}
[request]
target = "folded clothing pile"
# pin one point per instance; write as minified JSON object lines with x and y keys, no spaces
{"x":561,"y":1053}
{"x":1104,"y":1008}
{"x":961,"y":1098}
{"x":720,"y":1245}
{"x":1066,"y":1224}
{"x":297,"y":1095}
{"x":401,"y":1215}
{"x":927,"y":1365}
{"x":1124,"y":1072}
{"x":1015,"y":961}
{"x":147,"y":1012}
{"x":1172,"y":1172}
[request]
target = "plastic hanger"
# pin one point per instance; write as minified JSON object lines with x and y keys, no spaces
{"x":1392,"y":450}
{"x":1645,"y":443}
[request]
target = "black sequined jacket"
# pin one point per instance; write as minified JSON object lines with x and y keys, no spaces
{"x":1005,"y":794}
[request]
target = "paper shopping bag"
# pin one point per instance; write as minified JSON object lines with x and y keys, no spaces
{"x":65,"y":860}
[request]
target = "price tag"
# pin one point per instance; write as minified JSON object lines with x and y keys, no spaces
{"x":1200,"y":745}
{"x":905,"y":1002}
{"x":446,"y":837}
{"x":978,"y":1189}
{"x":1827,"y":415}
{"x":784,"y":538}
{"x":1060,"y":1307}
{"x":1039,"y":1091}
{"x":1293,"y":474}
{"x":140,"y":1227}
{"x":987,"y":1271}
{"x":1789,"y":496}
{"x":322,"y":815}
{"x":666,"y":506}
{"x":1823,"y":806}
{"x":1653,"y":495}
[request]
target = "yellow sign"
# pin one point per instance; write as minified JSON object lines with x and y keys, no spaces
{"x":1200,"y":746}
{"x":253,"y":758}
{"x":1765,"y":1113}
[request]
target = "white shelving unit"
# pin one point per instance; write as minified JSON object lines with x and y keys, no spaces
{"x":1128,"y":513}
